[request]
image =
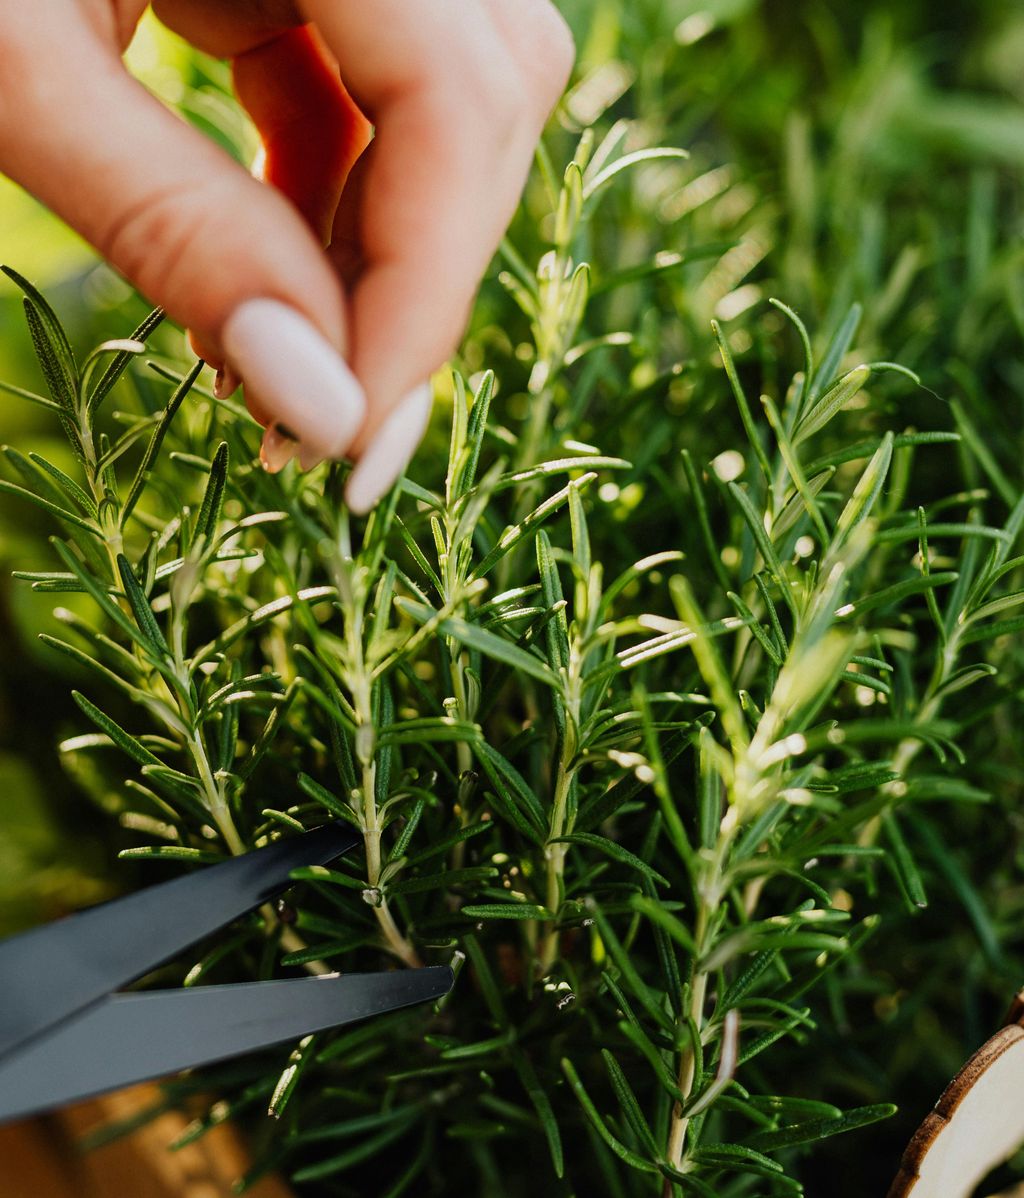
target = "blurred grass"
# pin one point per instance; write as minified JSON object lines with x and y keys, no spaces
{"x":839,"y":154}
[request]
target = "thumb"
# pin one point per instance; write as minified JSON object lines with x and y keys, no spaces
{"x":187,"y":226}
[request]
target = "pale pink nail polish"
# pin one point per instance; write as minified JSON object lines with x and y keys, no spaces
{"x":301,"y":381}
{"x":390,"y":451}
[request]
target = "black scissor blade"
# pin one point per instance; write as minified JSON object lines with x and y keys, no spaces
{"x":53,"y":971}
{"x":128,"y":1038}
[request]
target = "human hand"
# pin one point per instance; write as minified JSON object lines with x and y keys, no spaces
{"x":334,"y":344}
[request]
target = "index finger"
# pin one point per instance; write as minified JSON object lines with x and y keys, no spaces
{"x":458,"y":95}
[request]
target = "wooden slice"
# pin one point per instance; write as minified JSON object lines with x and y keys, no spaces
{"x":976,"y":1125}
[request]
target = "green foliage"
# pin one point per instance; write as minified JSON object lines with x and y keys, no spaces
{"x":658,"y":709}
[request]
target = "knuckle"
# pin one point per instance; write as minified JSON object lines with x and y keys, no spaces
{"x":498,"y":90}
{"x":496,"y":84}
{"x":153,"y":240}
{"x":515,"y":66}
{"x":555,"y":49}
{"x":22,"y":96}
{"x":540,"y":42}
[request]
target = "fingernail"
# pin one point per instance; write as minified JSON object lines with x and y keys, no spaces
{"x":299,"y":377}
{"x":226,"y":383}
{"x":277,"y":450}
{"x":308,"y":458}
{"x":390,"y":451}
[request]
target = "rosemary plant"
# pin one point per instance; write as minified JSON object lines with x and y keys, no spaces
{"x":635,"y":697}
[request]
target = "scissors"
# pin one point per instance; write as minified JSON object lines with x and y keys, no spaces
{"x":65,"y":1034}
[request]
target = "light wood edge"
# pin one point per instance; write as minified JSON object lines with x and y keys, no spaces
{"x":41,"y":1158}
{"x":953,"y":1095}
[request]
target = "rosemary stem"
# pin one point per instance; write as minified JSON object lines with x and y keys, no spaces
{"x":216,"y":801}
{"x":463,"y":753}
{"x":709,"y":896}
{"x":555,"y":856}
{"x":393,"y":938}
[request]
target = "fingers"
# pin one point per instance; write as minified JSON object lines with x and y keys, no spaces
{"x":458,"y":94}
{"x":313,"y":403}
{"x":171,"y":211}
{"x":225,"y":28}
{"x":312,"y":131}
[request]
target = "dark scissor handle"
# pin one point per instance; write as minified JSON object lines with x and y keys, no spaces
{"x":50,"y":973}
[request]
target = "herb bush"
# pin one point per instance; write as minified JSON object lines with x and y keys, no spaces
{"x":665,"y":693}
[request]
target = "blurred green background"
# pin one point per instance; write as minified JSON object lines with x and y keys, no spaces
{"x":869,"y":152}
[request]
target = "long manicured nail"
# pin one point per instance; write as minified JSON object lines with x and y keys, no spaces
{"x":390,"y":451}
{"x":226,"y":383}
{"x":298,"y":376}
{"x":277,"y":450}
